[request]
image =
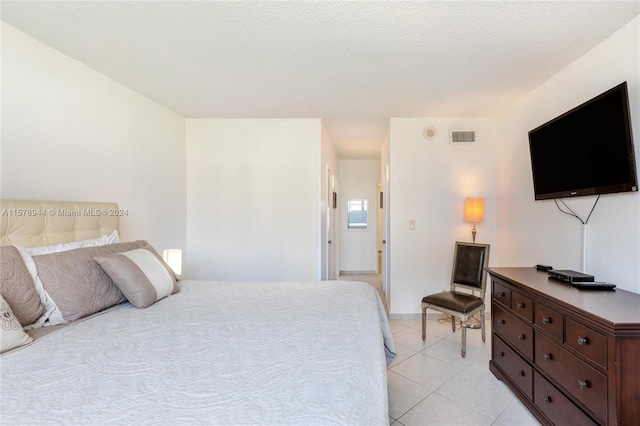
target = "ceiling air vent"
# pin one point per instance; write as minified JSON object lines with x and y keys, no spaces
{"x":463,"y":136}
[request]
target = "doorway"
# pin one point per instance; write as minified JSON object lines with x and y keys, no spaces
{"x":332,"y":206}
{"x":384,"y":233}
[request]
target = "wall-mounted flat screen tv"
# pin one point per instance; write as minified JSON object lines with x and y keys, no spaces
{"x":587,"y":150}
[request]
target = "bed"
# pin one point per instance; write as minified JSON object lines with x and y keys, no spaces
{"x":206,"y":352}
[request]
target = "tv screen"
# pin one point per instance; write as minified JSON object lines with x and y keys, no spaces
{"x":585,"y":151}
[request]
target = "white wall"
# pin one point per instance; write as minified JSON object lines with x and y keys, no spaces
{"x":531,"y":232}
{"x":429,"y":182}
{"x":253,"y":199}
{"x":70,"y":133}
{"x":358,"y":248}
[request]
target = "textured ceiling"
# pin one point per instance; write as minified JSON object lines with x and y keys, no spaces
{"x":353,"y":64}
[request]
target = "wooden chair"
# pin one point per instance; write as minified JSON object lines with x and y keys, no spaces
{"x":469,"y":263}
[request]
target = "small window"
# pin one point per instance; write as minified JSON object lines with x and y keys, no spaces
{"x":357,"y":214}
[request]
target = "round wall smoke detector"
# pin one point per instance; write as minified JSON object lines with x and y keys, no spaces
{"x":430,"y":133}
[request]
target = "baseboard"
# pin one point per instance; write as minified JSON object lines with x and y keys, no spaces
{"x":406,"y":317}
{"x":358,"y":273}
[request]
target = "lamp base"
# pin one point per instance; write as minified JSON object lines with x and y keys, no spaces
{"x":474,"y":323}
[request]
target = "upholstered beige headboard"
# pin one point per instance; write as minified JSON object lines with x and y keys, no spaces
{"x":32,"y":223}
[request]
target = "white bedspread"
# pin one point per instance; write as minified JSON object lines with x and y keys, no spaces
{"x":215,"y":353}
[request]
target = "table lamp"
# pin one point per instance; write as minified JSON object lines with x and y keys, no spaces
{"x":474,"y":212}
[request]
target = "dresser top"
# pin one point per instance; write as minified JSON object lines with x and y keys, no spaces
{"x":617,"y":308}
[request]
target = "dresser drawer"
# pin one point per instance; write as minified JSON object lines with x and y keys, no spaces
{"x":522,"y":306}
{"x":513,"y":330}
{"x":501,"y":293}
{"x":584,"y":382}
{"x":588,"y":342}
{"x":548,"y":320}
{"x":557,"y":407}
{"x":518,"y":370}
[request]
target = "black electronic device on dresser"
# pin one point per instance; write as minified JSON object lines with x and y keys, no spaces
{"x":570,"y":276}
{"x":572,"y":357}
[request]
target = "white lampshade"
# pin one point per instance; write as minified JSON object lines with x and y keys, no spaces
{"x":173,"y":257}
{"x":474,"y":210}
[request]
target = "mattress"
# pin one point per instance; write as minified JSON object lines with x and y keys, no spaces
{"x":214,"y":353}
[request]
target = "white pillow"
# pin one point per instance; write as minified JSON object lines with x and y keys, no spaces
{"x":56,"y":248}
{"x":11,"y":333}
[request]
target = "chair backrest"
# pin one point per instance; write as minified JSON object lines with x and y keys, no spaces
{"x":469,"y":263}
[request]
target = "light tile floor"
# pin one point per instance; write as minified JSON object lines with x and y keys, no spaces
{"x":429,"y":383}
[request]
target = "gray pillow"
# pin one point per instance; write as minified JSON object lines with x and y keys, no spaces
{"x":140,"y":274}
{"x":77,"y":284}
{"x":17,"y":287}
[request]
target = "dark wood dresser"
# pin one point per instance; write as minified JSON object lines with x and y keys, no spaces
{"x":572,"y":356}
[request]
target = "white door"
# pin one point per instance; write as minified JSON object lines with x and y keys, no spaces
{"x":331,"y":215}
{"x":385,"y":234}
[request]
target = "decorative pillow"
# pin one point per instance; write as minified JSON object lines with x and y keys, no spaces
{"x":11,"y":333}
{"x":52,"y":315}
{"x":141,"y":275}
{"x":56,"y":248}
{"x":17,"y":286}
{"x":77,"y":284}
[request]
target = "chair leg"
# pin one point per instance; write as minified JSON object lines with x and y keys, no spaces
{"x":484,"y":339}
{"x":424,"y":324}
{"x":453,"y":323}
{"x":463,"y":328}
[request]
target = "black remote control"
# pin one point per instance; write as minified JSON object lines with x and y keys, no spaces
{"x":543,"y":267}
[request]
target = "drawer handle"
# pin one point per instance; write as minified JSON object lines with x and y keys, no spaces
{"x":546,"y":320}
{"x":583,"y":340}
{"x":520,"y":373}
{"x":500,"y":354}
{"x":547,"y":357}
{"x":520,"y":336}
{"x":501,"y":321}
{"x":520,"y":305}
{"x":583,"y":384}
{"x":501,"y":294}
{"x":546,"y":399}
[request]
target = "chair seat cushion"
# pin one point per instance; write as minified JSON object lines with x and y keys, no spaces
{"x":459,"y":302}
